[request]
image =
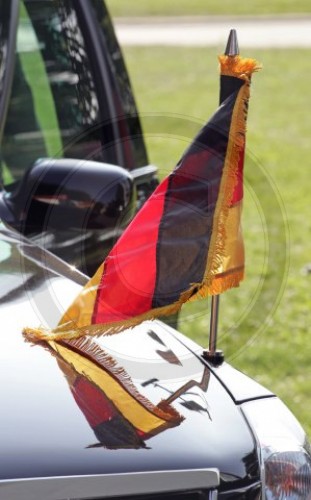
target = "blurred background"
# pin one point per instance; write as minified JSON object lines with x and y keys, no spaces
{"x":264,"y":325}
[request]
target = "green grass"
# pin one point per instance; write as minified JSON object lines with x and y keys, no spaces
{"x":264,"y":324}
{"x":202,"y":7}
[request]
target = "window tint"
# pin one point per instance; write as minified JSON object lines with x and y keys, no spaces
{"x":8,"y":17}
{"x":53,"y":109}
{"x":134,"y":150}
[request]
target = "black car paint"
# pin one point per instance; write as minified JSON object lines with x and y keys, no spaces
{"x":43,"y":431}
{"x":68,"y":205}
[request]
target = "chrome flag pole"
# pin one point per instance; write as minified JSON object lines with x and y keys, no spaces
{"x":212,"y":354}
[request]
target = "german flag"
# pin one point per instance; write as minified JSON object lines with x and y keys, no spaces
{"x":186,"y":240}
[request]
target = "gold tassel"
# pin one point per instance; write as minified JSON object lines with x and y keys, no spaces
{"x":237,"y":66}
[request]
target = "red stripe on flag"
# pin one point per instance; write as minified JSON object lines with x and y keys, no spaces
{"x":238,"y":190}
{"x":128,"y":281}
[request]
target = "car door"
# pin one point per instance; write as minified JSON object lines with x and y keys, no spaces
{"x":66,"y":94}
{"x":64,"y":100}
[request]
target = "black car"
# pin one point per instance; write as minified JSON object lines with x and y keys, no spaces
{"x":138,"y":415}
{"x":74,"y":166}
{"x":142,"y":414}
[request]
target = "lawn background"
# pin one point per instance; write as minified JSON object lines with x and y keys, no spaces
{"x":126,"y":8}
{"x":181,"y":86}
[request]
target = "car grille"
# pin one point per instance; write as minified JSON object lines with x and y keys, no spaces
{"x":252,"y":492}
{"x":189,"y":495}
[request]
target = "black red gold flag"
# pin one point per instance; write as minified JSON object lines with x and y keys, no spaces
{"x":186,"y":240}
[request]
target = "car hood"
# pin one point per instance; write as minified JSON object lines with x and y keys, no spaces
{"x":136,"y":401}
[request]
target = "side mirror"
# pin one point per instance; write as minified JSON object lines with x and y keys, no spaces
{"x":71,"y":202}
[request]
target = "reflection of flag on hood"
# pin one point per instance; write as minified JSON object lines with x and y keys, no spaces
{"x":120,"y":416}
{"x":186,"y":240}
{"x":110,"y":427}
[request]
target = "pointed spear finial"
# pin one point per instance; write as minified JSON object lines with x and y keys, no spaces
{"x":232,"y":48}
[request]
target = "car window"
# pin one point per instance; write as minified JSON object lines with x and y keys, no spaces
{"x":53,"y":109}
{"x":130,"y":126}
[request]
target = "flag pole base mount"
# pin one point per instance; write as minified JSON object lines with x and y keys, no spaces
{"x":216,"y":358}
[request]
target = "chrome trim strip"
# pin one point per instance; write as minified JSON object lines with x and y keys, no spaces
{"x":106,"y":485}
{"x":143,"y":172}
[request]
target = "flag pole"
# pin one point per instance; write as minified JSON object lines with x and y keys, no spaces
{"x":213,"y":355}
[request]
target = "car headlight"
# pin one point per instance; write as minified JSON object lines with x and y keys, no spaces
{"x":284,"y":449}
